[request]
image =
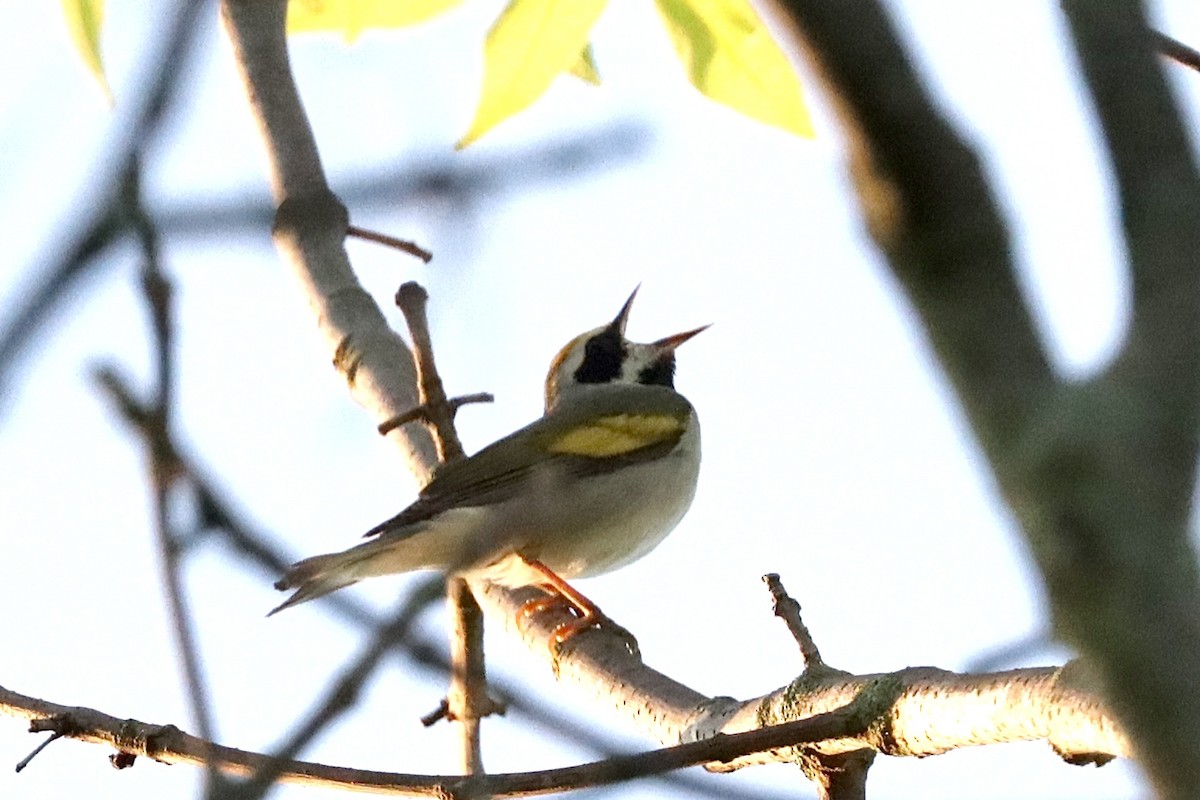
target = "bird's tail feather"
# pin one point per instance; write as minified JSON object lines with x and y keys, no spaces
{"x":319,"y":575}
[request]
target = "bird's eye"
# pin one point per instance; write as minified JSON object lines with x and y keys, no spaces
{"x":602,"y":358}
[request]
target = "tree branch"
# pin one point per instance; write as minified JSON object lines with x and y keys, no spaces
{"x":883,"y":712}
{"x":467,"y":701}
{"x":1099,"y":473}
{"x":930,"y":711}
{"x":943,"y":236}
{"x":310,"y":229}
{"x":157,"y":292}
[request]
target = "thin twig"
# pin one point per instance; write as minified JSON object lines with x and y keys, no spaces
{"x":467,"y":700}
{"x":412,"y":299}
{"x":342,"y":696}
{"x":787,"y":609}
{"x":437,"y":715}
{"x":98,"y":225}
{"x":24,"y":762}
{"x":421,"y":412}
{"x":1177,"y":51}
{"x":157,"y":292}
{"x":402,"y":245}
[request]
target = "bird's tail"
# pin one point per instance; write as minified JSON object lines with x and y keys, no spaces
{"x":319,"y":575}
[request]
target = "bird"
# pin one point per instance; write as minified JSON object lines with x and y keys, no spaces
{"x":597,"y":482}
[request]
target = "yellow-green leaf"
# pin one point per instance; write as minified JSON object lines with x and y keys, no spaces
{"x":352,"y":17}
{"x":85,"y":19}
{"x":585,"y":67}
{"x":730,"y":57}
{"x":531,"y":43}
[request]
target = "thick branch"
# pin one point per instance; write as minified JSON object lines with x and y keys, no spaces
{"x":921,"y":711}
{"x":310,"y":229}
{"x":1100,"y":474}
{"x":930,"y":210}
{"x":1159,"y":191}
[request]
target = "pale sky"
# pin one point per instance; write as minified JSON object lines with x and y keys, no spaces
{"x":834,"y":452}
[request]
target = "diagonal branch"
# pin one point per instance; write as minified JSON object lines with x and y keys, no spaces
{"x":943,"y":236}
{"x":1159,"y":191}
{"x":310,"y":229}
{"x":467,"y":701}
{"x":1100,"y":473}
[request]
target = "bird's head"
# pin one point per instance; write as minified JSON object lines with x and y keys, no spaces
{"x":603,"y":356}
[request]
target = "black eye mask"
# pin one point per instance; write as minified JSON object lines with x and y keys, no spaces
{"x":602,"y":358}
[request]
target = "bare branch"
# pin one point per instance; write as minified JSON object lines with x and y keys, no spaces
{"x":787,"y":609}
{"x":101,"y":224}
{"x":943,"y":236}
{"x":168,"y":744}
{"x":403,"y":245}
{"x":341,"y":696}
{"x":1177,"y":51}
{"x":310,"y":230}
{"x":931,"y":710}
{"x":883,"y":712}
{"x":155,"y":426}
{"x":1159,"y":190}
{"x":467,"y":701}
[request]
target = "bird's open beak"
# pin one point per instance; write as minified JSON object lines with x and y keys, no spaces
{"x":667,"y":344}
{"x":619,"y":323}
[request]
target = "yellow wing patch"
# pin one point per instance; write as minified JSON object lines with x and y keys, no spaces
{"x":616,"y":435}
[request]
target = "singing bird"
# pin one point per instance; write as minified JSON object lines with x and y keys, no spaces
{"x":596,"y":483}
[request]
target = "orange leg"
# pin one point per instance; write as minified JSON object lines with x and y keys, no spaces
{"x":587,"y":614}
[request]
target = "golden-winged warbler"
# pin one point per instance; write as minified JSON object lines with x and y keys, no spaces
{"x":594,"y":484}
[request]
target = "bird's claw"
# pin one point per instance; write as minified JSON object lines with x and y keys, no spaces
{"x":583,"y":619}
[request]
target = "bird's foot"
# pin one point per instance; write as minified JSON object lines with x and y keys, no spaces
{"x":584,"y":617}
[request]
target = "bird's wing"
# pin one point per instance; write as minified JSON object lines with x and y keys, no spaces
{"x":616,"y":427}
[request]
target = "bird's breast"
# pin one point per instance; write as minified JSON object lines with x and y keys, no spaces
{"x":611,"y":519}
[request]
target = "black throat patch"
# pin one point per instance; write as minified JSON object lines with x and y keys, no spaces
{"x":660,"y":373}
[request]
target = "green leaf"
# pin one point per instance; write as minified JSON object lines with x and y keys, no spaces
{"x":730,"y":57}
{"x":585,"y":67}
{"x":352,"y":17}
{"x":531,"y":43}
{"x":85,"y":18}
